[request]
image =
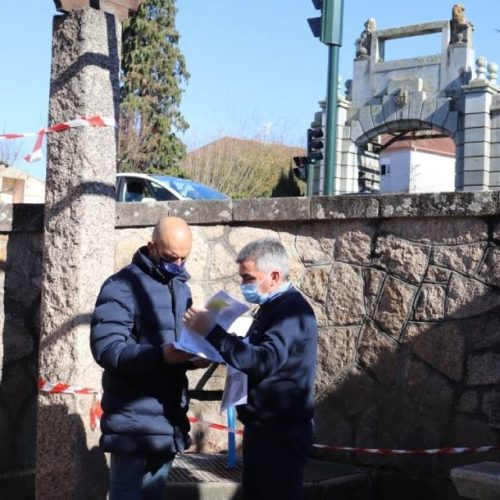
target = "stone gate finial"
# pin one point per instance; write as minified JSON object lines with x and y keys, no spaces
{"x":364,"y":42}
{"x":120,"y":8}
{"x":460,"y":27}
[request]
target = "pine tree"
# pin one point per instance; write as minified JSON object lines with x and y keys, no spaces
{"x":153,"y":70}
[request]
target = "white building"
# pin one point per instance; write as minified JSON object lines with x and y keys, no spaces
{"x":17,"y":186}
{"x":418,"y":164}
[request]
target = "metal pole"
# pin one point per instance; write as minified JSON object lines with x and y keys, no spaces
{"x":231,"y":438}
{"x":310,"y":179}
{"x":331,"y":120}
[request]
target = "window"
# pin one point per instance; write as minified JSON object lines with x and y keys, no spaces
{"x":137,"y":189}
{"x":385,"y":169}
{"x":162,"y":194}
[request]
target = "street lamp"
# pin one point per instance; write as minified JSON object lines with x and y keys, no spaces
{"x":119,"y":8}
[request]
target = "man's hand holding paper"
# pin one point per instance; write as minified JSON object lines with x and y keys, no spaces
{"x":199,"y":320}
{"x":221,"y":309}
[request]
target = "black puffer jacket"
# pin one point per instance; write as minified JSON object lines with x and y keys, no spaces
{"x":139,"y":309}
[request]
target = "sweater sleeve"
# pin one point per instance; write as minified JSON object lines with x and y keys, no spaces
{"x":111,"y":339}
{"x":272,"y":351}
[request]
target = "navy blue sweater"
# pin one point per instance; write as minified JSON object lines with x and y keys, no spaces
{"x":139,"y":309}
{"x":279,"y":359}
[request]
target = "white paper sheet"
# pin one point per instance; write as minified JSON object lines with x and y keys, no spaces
{"x":236,"y":386}
{"x":227,"y":310}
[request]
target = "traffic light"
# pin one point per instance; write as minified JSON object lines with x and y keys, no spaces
{"x":300,"y":170}
{"x":315,"y":145}
{"x":368,"y":180}
{"x":328,"y":27}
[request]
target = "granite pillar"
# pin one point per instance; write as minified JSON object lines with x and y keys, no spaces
{"x":78,"y":249}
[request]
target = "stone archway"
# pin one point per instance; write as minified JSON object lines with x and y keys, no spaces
{"x":368,"y":151}
{"x":430,"y":92}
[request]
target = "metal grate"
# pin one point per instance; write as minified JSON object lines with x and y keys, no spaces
{"x":200,"y":468}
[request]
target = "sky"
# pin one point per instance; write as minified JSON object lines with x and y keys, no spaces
{"x":256,"y":69}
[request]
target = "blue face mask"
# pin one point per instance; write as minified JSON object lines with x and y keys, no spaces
{"x":251,"y":293}
{"x":172,"y":268}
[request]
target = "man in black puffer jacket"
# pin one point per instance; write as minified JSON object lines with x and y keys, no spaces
{"x":279,"y":357}
{"x":138,"y":315}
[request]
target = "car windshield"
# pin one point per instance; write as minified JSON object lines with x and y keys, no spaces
{"x":190,"y":189}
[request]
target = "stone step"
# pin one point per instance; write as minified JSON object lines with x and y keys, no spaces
{"x":207,"y":477}
{"x":478,"y":481}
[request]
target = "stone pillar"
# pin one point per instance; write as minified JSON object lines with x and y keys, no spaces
{"x":458,"y":66}
{"x":345,"y":173}
{"x":495,"y":144}
{"x":473,"y":154}
{"x":78,"y":249}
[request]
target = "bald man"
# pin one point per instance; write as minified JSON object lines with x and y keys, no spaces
{"x":137,"y":317}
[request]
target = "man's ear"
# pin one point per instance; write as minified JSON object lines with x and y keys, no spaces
{"x":151,"y":245}
{"x":275,"y":277}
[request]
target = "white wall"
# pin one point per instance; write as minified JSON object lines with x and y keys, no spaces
{"x":432,"y":173}
{"x":417,"y":172}
{"x":34,"y":191}
{"x":397,"y":180}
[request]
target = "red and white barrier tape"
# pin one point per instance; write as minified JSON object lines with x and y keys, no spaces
{"x":45,"y":386}
{"x":391,"y":451}
{"x":84,"y":121}
{"x":96,"y":414}
{"x":217,"y":427}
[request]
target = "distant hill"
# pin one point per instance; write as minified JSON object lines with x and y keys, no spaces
{"x":244,"y":168}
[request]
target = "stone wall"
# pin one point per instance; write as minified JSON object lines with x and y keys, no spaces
{"x":406,"y":290}
{"x":21,"y":244}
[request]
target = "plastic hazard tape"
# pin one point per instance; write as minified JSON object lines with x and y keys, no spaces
{"x":217,"y":427}
{"x":84,"y":121}
{"x":45,"y":386}
{"x":96,"y":414}
{"x":391,"y":451}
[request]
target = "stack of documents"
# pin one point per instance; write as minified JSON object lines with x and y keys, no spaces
{"x":227,"y":311}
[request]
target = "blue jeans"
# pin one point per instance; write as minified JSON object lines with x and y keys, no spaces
{"x":135,"y":477}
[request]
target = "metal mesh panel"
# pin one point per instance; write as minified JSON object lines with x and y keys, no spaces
{"x":199,"y":468}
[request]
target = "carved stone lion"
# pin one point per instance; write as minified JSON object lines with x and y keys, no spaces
{"x":459,"y":24}
{"x":363,"y":43}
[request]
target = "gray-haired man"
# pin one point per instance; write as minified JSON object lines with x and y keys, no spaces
{"x":279,"y":359}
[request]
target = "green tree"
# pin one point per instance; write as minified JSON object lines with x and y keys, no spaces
{"x":153,"y":70}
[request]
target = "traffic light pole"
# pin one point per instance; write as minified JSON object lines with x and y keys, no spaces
{"x":328,"y":28}
{"x":331,"y":120}
{"x":310,"y":181}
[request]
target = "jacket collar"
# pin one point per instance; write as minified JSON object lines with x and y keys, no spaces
{"x":143,"y":260}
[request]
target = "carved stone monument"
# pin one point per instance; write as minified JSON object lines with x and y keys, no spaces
{"x":460,"y":28}
{"x":363,"y":43}
{"x":449,"y":91}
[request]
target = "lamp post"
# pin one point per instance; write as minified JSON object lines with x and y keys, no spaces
{"x":119,"y":8}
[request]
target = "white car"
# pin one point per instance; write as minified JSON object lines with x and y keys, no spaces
{"x":145,"y":187}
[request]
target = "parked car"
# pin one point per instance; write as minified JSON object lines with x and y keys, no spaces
{"x":144,"y":187}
